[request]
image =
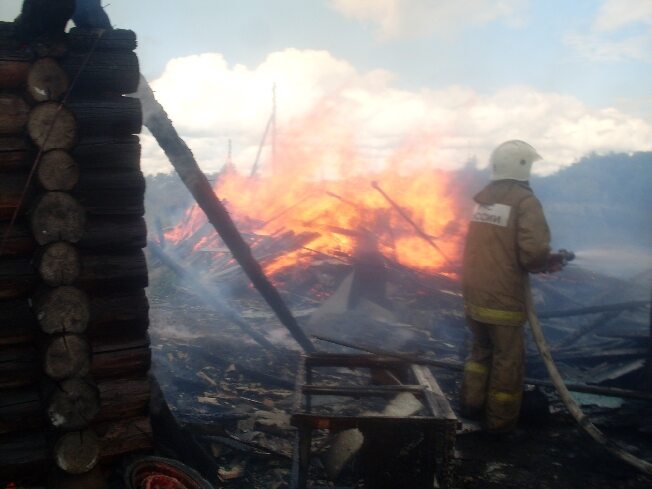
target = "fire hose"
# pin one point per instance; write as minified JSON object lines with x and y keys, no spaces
{"x":567,"y":399}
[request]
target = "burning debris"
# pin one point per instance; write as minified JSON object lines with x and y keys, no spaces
{"x":364,"y":300}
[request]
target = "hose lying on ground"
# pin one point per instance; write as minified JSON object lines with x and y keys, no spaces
{"x":568,"y":400}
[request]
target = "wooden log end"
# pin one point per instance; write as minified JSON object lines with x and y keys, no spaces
{"x":73,"y":404}
{"x":60,"y":264}
{"x":77,"y":452}
{"x":52,"y":127}
{"x":63,"y":310}
{"x":57,"y":217}
{"x":67,"y":356}
{"x":46,"y":80}
{"x":57,"y":170}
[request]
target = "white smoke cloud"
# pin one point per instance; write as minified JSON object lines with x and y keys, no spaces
{"x":621,"y":29}
{"x":400,"y":18}
{"x":210,"y":101}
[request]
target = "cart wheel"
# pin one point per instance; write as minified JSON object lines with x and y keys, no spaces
{"x":163,"y":473}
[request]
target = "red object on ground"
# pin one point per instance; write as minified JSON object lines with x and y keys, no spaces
{"x":163,"y":473}
{"x":158,"y":481}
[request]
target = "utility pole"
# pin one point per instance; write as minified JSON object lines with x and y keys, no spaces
{"x":271,"y":123}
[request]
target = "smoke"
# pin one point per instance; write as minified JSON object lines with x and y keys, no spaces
{"x":617,"y":261}
{"x":211,"y":100}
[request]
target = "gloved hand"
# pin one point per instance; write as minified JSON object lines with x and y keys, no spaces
{"x":556,"y":262}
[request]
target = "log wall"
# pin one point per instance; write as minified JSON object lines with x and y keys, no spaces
{"x":74,"y":350}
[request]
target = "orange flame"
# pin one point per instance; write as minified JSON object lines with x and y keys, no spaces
{"x":318,"y":187}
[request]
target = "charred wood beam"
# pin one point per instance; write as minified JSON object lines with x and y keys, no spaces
{"x":262,"y":377}
{"x":458,"y":366}
{"x":601,"y":320}
{"x":184,"y":163}
{"x":622,"y":306}
{"x":83,"y":39}
{"x":590,"y":355}
{"x":360,"y":391}
{"x":103,"y":71}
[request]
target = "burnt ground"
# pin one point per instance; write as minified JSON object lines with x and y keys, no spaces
{"x":208,"y":374}
{"x":554,"y":455}
{"x":212,"y":374}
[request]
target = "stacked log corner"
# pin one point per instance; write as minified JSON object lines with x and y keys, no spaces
{"x":74,"y":349}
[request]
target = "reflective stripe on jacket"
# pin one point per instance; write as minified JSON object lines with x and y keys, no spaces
{"x":508,"y":237}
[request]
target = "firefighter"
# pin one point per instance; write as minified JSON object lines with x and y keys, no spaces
{"x":508,"y":237}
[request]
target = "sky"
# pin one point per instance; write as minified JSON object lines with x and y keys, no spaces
{"x":440,"y":82}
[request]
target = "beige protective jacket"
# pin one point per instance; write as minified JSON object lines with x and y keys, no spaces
{"x":508,"y":237}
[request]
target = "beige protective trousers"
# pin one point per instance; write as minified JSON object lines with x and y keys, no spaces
{"x":493,"y":375}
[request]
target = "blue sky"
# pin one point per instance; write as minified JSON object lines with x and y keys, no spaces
{"x":580,"y":60}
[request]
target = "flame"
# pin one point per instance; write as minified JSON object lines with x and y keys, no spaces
{"x":319,"y":188}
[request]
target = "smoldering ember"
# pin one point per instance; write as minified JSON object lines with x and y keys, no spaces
{"x":298,"y":321}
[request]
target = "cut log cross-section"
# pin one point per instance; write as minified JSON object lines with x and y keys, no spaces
{"x":47,"y":80}
{"x":67,"y":356}
{"x":77,"y":452}
{"x":57,"y":217}
{"x":57,"y":170}
{"x":60,"y":264}
{"x":73,"y":404}
{"x":52,"y":126}
{"x":63,"y":310}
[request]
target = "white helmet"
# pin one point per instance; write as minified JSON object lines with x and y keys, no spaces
{"x":513,"y":160}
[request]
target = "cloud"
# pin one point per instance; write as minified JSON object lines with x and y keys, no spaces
{"x":621,"y":29}
{"x":616,"y":14}
{"x":399,"y":18}
{"x":348,"y":121}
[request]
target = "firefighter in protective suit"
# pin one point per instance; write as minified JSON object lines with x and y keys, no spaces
{"x":508,"y":237}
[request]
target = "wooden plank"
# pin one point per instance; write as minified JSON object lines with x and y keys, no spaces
{"x":354,"y":391}
{"x":353,"y":360}
{"x":327,"y":422}
{"x":442,"y":408}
